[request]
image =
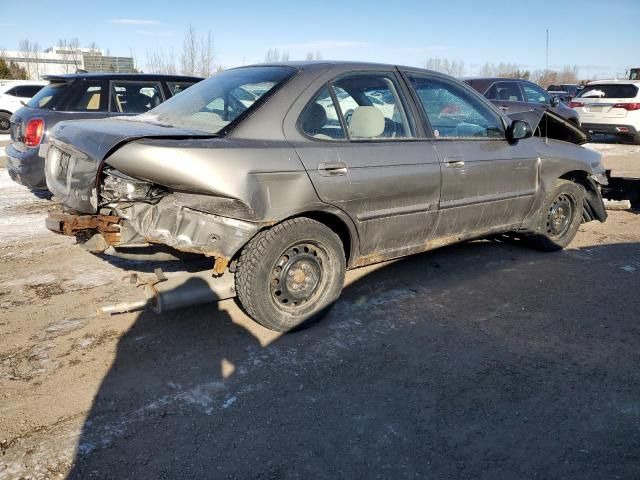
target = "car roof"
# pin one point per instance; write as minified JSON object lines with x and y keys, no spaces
{"x":615,"y":82}
{"x":68,"y":77}
{"x":344,"y":64}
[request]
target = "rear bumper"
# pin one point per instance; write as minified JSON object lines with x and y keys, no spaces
{"x":610,"y":128}
{"x":166,"y":223}
{"x":26,"y":167}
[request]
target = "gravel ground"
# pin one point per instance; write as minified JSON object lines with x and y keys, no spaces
{"x":482,"y":360}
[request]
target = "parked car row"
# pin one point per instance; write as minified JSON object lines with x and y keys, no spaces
{"x":289,"y":174}
{"x":74,"y":97}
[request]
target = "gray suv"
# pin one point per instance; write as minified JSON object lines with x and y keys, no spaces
{"x":262,"y":169}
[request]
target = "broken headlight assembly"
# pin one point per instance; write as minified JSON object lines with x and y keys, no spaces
{"x":118,"y":187}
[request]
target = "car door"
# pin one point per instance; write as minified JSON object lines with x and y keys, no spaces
{"x":486,"y":181}
{"x":364,"y":156}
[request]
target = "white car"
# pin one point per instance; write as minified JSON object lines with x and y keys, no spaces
{"x":12,"y":95}
{"x":610,"y":106}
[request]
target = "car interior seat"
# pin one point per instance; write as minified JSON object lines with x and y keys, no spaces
{"x":314,"y":120}
{"x":366,"y":122}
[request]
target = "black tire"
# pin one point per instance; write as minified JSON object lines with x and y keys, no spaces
{"x":636,"y":139}
{"x":290,"y":274}
{"x":5,"y":124}
{"x":559,"y":218}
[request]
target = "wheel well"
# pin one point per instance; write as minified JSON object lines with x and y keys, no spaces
{"x":593,"y":206}
{"x":6,"y":111}
{"x":336,"y":224}
{"x":580,"y":177}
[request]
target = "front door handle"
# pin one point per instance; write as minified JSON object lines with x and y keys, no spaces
{"x":332,"y":169}
{"x":454,"y":162}
{"x":504,"y":108}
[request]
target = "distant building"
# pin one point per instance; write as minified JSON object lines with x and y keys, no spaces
{"x":56,"y":61}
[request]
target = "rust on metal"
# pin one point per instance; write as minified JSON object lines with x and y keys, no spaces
{"x":220,"y":265}
{"x":67,"y":224}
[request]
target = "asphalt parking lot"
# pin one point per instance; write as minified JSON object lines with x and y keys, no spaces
{"x":481,"y":360}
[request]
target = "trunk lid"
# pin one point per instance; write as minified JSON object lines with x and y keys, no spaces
{"x":77,"y":150}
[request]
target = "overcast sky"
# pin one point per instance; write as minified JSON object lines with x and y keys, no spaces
{"x":601,"y":37}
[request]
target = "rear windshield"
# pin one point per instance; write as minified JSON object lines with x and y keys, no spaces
{"x":49,"y":96}
{"x":212,"y":104}
{"x":609,"y":91}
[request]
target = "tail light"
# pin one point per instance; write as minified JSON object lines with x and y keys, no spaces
{"x":573,"y":104}
{"x":628,"y":106}
{"x":33,"y":132}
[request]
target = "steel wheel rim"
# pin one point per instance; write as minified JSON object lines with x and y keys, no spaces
{"x":5,"y":124}
{"x":560,"y":215}
{"x":298,"y":276}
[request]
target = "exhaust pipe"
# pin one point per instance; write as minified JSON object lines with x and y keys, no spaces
{"x":188,"y":290}
{"x":178,"y":292}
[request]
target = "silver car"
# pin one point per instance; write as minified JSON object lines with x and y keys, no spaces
{"x":332,"y":166}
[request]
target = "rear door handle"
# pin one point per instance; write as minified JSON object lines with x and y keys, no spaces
{"x":454,"y":162}
{"x":504,"y":108}
{"x":332,"y":169}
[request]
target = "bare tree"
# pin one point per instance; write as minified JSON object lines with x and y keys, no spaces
{"x":35,"y":55}
{"x":454,"y":68}
{"x":74,"y":52}
{"x":190,"y":49}
{"x":159,"y":61}
{"x":63,"y":51}
{"x":274,"y":55}
{"x":25,"y":50}
{"x":206,"y":55}
{"x":313,"y":55}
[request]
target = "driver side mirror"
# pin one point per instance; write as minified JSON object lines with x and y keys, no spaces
{"x":555,"y":101}
{"x":519,"y":130}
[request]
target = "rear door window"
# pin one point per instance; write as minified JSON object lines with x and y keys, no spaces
{"x":89,"y":98}
{"x":320,"y":118}
{"x":372,"y":107}
{"x":135,"y":97}
{"x":505,"y":91}
{"x":535,"y":94}
{"x":609,"y":91}
{"x":177,"y":87}
{"x":50,"y":96}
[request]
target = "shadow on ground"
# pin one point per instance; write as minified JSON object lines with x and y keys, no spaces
{"x":484,"y":360}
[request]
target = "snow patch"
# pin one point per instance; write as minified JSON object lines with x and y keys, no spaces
{"x":17,"y":225}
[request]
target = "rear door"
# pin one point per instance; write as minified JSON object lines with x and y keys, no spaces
{"x":486,"y":182}
{"x":365,"y":156}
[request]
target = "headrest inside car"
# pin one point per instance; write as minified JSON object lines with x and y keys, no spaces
{"x":366,"y":122}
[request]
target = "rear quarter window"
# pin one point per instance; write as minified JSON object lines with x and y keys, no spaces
{"x":609,"y":91}
{"x":49,"y":96}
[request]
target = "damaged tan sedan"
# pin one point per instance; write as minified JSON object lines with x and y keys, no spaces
{"x":287,"y":175}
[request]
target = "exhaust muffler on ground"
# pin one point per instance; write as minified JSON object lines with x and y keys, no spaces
{"x":177,"y":292}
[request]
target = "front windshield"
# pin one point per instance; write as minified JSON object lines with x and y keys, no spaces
{"x":211,"y":105}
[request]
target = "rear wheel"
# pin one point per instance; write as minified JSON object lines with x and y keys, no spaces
{"x":5,"y":123}
{"x":290,"y":274}
{"x":636,"y":138}
{"x":559,"y":217}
